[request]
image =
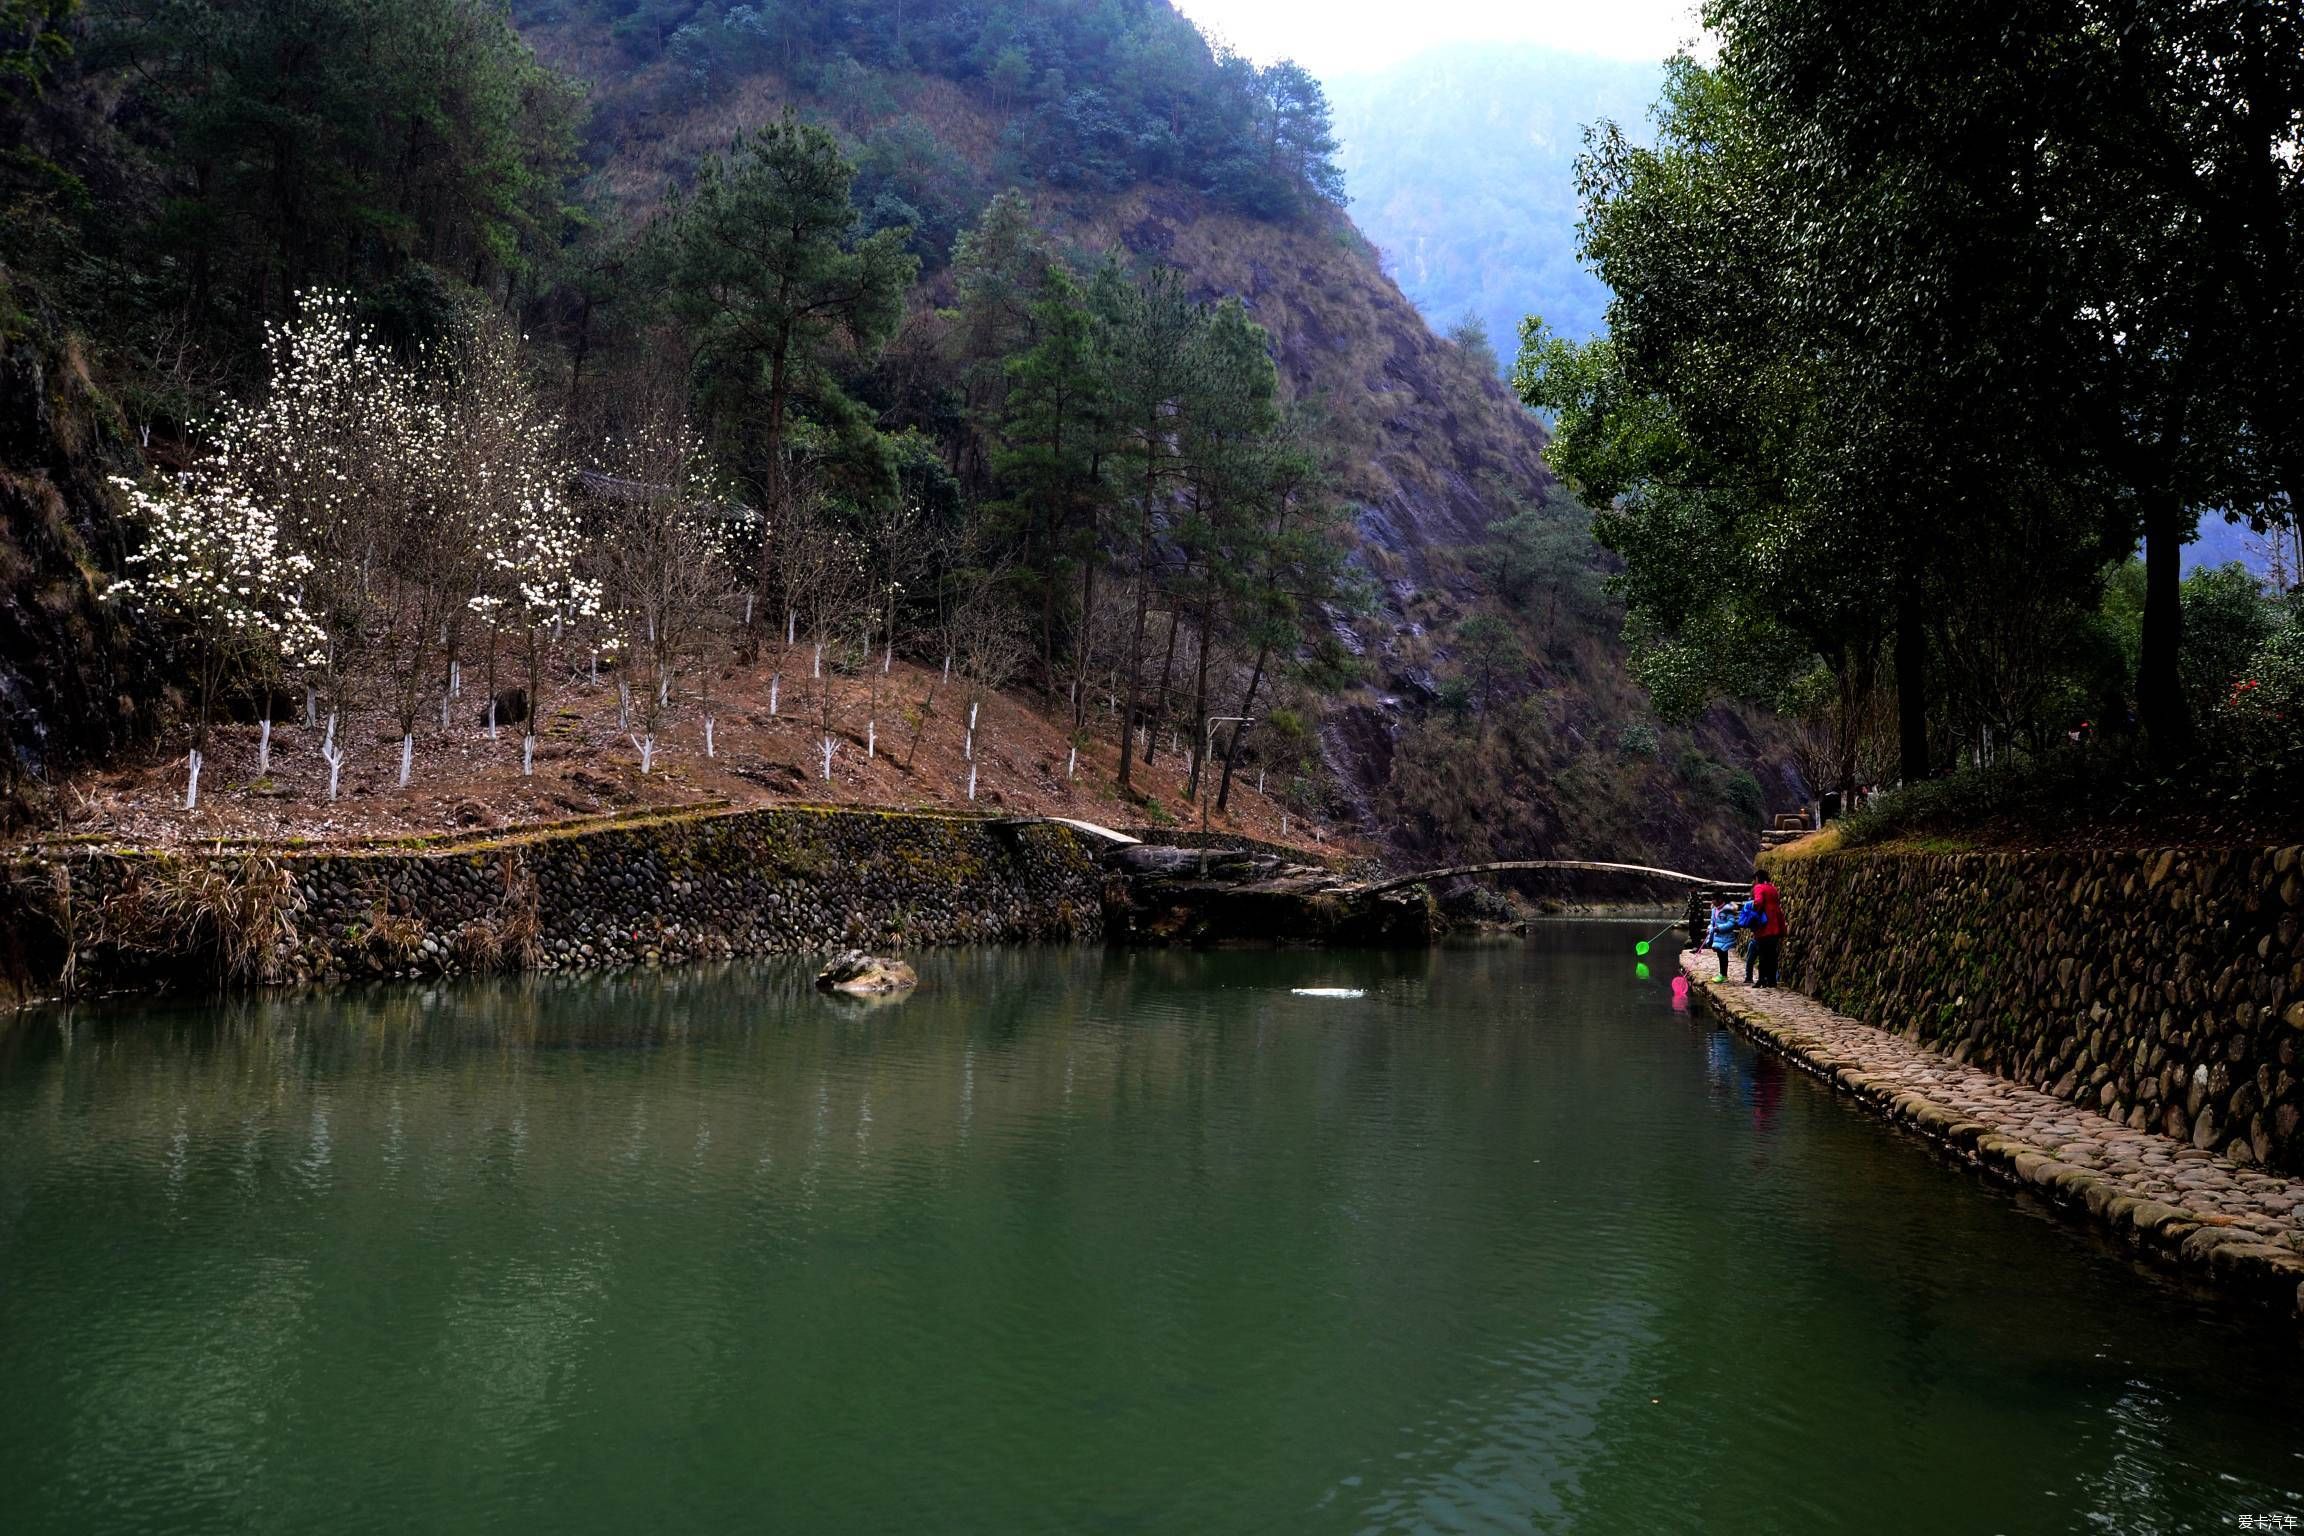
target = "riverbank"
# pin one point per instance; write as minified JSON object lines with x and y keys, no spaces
{"x":647,"y":889}
{"x":2182,"y":1207}
{"x":2164,"y":986}
{"x":643,"y":890}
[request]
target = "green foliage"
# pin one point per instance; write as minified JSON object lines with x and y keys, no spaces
{"x":1469,"y":335}
{"x":32,"y":40}
{"x":1105,"y":96}
{"x":1489,"y":651}
{"x":1637,"y":738}
{"x":1540,"y":560}
{"x":758,"y":260}
{"x":2228,"y":617}
{"x":2046,"y":793}
{"x":907,"y":179}
{"x":322,"y":141}
{"x":1892,"y":390}
{"x":2258,"y":726}
{"x":243,"y":154}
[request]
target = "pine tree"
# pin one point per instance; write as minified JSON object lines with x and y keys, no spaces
{"x":759,"y":262}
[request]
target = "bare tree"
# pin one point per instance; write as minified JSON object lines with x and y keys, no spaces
{"x":665,"y":555}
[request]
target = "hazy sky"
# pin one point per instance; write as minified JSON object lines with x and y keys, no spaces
{"x":1332,"y":37}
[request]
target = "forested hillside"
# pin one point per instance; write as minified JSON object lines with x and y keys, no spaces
{"x":647,"y":359}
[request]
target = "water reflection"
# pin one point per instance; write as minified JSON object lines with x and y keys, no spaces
{"x":1066,"y":1240}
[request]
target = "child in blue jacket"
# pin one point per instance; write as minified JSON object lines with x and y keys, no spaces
{"x":1723,"y":936}
{"x":1748,"y":923}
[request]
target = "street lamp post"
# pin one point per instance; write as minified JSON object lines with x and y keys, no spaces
{"x":1207,"y":754}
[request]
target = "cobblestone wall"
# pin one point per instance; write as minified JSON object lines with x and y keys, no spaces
{"x":657,"y":891}
{"x":2164,"y":988}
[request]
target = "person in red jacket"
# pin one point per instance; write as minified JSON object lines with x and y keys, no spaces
{"x":1768,"y":946}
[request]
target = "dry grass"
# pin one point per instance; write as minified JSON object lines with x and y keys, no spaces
{"x":233,"y":909}
{"x":587,"y":769}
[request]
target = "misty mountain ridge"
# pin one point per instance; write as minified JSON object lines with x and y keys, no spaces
{"x":1460,"y":162}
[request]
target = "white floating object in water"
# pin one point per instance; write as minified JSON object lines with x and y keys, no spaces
{"x":1328,"y":991}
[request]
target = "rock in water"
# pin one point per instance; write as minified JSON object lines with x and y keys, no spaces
{"x":852,"y":970}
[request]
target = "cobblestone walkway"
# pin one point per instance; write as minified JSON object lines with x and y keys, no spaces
{"x":2239,"y":1228}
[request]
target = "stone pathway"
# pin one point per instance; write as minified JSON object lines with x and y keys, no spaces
{"x":2241,"y":1229}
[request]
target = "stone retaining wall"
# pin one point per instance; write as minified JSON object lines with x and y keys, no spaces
{"x":2164,"y":988}
{"x":656,"y":891}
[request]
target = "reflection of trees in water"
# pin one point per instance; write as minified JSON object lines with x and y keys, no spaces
{"x":729,"y":1062}
{"x":743,"y":1072}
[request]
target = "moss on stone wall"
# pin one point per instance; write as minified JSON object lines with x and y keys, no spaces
{"x":2162,"y":987}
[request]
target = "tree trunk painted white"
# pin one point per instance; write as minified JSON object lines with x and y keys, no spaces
{"x":311,"y":706}
{"x":646,"y":742}
{"x":595,"y":669}
{"x":947,"y":669}
{"x":623,"y":705}
{"x":491,"y":717}
{"x":871,"y":739}
{"x":333,"y":756}
{"x":828,"y":757}
{"x":816,"y":661}
{"x":263,"y":749}
{"x":1283,"y":823}
{"x":663,"y":691}
{"x":1072,"y":764}
{"x":455,"y":679}
{"x":747,"y":610}
{"x":968,"y":745}
{"x":791,"y":626}
{"x":192,"y":762}
{"x":888,"y":658}
{"x":1187,"y":762}
{"x":407,"y":757}
{"x":971,"y":781}
{"x":775,"y":685}
{"x":708,"y":752}
{"x":444,"y":698}
{"x":1259,"y":781}
{"x":971,"y":717}
{"x":528,"y":755}
{"x":329,"y":740}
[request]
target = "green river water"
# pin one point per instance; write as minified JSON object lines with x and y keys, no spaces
{"x":1070,"y":1241}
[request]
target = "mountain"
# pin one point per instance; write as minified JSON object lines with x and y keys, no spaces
{"x":1461,"y":166}
{"x":188,"y":178}
{"x":1436,"y":455}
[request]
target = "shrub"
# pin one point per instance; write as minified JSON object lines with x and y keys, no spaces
{"x":2258,"y":727}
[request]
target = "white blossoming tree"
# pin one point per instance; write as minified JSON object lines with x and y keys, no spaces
{"x":531,"y":570}
{"x":215,"y":567}
{"x":329,"y":446}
